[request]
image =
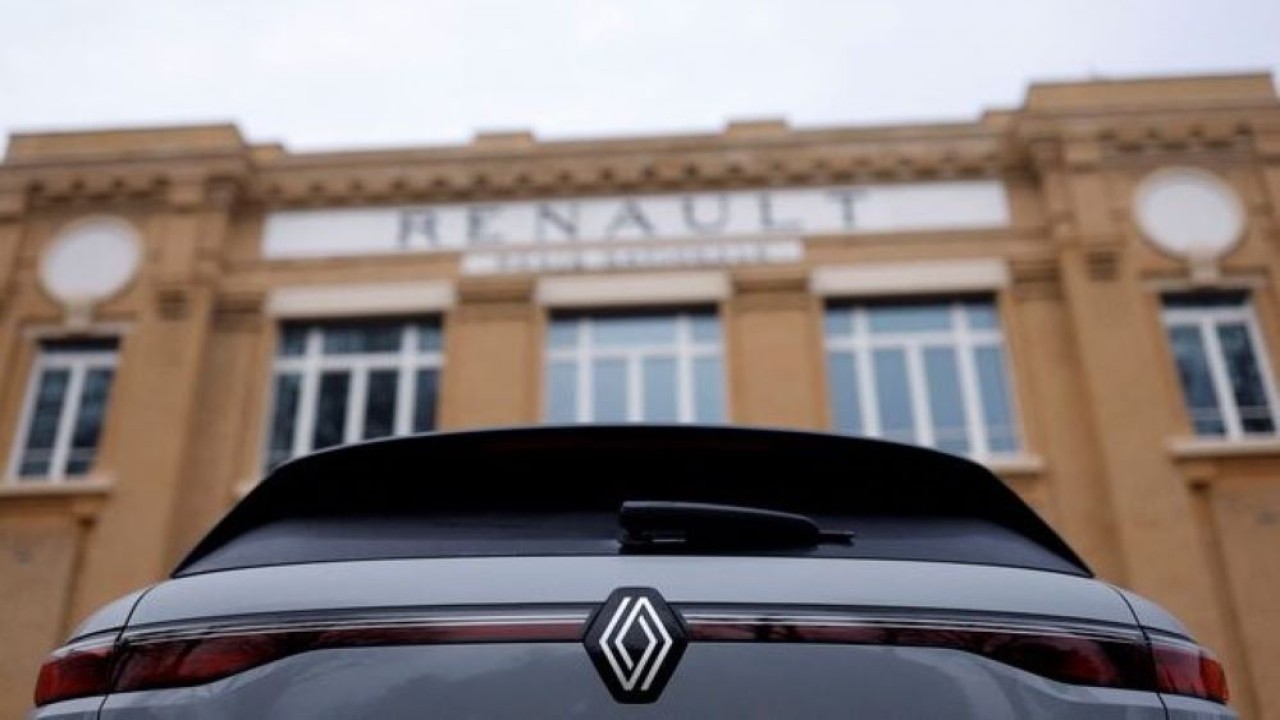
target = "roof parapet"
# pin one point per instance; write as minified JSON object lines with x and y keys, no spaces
{"x":1151,"y":93}
{"x":125,"y":144}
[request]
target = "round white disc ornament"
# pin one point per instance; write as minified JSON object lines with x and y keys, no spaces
{"x":1189,"y":212}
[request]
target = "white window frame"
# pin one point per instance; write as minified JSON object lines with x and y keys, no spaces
{"x":1206,"y":321}
{"x":79,"y":363}
{"x":313,"y":363}
{"x":684,"y":350}
{"x":963,"y":339}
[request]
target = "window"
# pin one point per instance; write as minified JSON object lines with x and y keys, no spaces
{"x":343,"y":382}
{"x":930,"y":374}
{"x":652,"y":367}
{"x":65,"y":406}
{"x":1225,"y":376}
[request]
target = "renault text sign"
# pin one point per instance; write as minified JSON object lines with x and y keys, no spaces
{"x":634,"y":220}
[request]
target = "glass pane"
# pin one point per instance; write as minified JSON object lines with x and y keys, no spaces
{"x":562,"y":393}
{"x":708,"y":390}
{"x":981,"y":315}
{"x":283,"y":417}
{"x":993,"y":388}
{"x":425,"y":397}
{"x":838,"y":321}
{"x":42,"y":431}
{"x":897,"y":422}
{"x":635,"y":330}
{"x":362,"y":338}
{"x":564,"y":332}
{"x":1206,"y":299}
{"x":946,"y":404}
{"x":909,"y":318}
{"x":609,"y":387}
{"x":843,"y":378}
{"x":87,"y":345}
{"x":1197,"y":383}
{"x":706,"y":328}
{"x":1246,"y":379}
{"x":331,"y":410}
{"x":380,"y":404}
{"x":660,"y":390}
{"x":88,"y":422}
{"x":430,"y":336}
{"x":35,"y":463}
{"x":293,"y":341}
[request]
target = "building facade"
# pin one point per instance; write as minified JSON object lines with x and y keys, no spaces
{"x":1082,"y":293}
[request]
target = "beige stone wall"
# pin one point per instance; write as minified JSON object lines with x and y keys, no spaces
{"x":1109,"y":458}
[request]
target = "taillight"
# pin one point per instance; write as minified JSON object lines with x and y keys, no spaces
{"x":78,"y":670}
{"x":1081,"y":654}
{"x":1071,"y":652}
{"x":181,"y":656}
{"x":1186,"y":669}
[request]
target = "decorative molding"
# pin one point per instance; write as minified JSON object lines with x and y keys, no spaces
{"x":241,"y":310}
{"x":1102,"y":263}
{"x":912,"y":278}
{"x":365,"y":299}
{"x":1186,"y":448}
{"x":549,"y":171}
{"x":173,"y":302}
{"x":496,"y":290}
{"x":13,"y":204}
{"x":785,"y":288}
{"x":1036,"y":279}
{"x":632,"y":289}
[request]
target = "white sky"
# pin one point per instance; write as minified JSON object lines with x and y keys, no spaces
{"x":351,"y":73}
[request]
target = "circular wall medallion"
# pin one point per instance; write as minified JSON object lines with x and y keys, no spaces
{"x":1189,"y":212}
{"x":91,"y":260}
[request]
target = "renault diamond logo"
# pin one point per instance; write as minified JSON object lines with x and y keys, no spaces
{"x":635,"y":641}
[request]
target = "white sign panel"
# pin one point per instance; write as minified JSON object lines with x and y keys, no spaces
{"x":575,"y":223}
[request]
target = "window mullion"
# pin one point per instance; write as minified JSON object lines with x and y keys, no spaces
{"x":685,"y":410}
{"x":586,"y":402}
{"x":1221,"y":380}
{"x":635,"y":388}
{"x":66,"y":423}
{"x":970,"y":393}
{"x":868,"y":399}
{"x":918,"y":389}
{"x":306,"y":420}
{"x":406,"y":385}
{"x":357,"y":389}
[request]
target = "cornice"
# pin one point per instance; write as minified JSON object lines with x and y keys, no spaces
{"x":551,"y":175}
{"x":149,"y":180}
{"x":1138,"y":135}
{"x":1062,"y":126}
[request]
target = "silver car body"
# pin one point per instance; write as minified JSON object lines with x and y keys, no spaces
{"x":517,"y":679}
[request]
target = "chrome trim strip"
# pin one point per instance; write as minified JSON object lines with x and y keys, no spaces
{"x":366,"y":620}
{"x":923,"y":621}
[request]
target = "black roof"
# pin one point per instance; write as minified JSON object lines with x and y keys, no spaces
{"x":557,"y":490}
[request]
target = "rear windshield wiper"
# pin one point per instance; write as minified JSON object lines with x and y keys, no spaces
{"x":657,"y":526}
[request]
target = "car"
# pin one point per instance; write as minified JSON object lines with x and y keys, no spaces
{"x":631,"y":571}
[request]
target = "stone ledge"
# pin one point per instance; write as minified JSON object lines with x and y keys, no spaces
{"x":1190,"y":448}
{"x":1022,"y":465}
{"x":53,"y":488}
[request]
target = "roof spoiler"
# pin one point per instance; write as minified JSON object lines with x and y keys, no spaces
{"x":595,"y":468}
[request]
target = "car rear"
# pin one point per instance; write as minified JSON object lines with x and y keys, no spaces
{"x":512,"y":574}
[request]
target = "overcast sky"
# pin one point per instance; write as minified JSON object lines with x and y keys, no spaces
{"x":319,"y":74}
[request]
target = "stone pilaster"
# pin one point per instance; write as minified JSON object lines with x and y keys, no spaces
{"x":493,"y":361}
{"x":773,"y":342}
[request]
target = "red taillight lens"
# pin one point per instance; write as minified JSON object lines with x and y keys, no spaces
{"x":77,"y":671}
{"x":1185,"y":669}
{"x":185,"y":656}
